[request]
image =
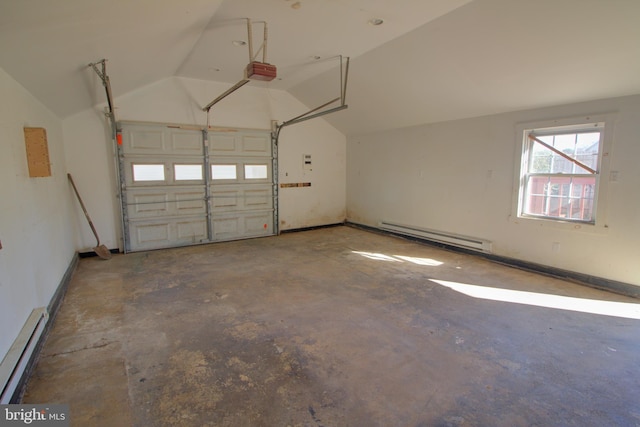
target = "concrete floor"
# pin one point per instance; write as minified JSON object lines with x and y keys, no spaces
{"x":334,"y":327}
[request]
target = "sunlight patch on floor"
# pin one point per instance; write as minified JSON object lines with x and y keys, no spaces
{"x":400,"y":258}
{"x":606,"y":308}
{"x":420,"y":261}
{"x":376,"y":256}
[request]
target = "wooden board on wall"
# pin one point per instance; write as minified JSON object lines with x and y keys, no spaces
{"x":37,"y":152}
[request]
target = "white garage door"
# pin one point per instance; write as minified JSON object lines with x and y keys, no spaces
{"x":179,"y":189}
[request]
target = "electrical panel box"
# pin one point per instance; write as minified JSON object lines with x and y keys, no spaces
{"x":261,"y":71}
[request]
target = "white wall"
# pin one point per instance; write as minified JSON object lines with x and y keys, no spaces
{"x":35,"y":226}
{"x":459,"y":176}
{"x":89,"y":151}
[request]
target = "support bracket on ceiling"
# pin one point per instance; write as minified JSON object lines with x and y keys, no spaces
{"x":313,"y":113}
{"x":102,"y":73}
{"x":263,"y":46}
{"x":254,"y":71}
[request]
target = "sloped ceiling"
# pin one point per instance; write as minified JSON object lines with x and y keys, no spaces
{"x":46,"y":45}
{"x":491,"y":56}
{"x":431,"y":60}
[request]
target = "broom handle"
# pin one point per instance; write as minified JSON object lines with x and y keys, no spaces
{"x":84,"y":209}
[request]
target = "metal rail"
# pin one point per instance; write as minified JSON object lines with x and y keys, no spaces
{"x":322,"y":113}
{"x":344,"y":73}
{"x":102,"y":73}
{"x":225,"y":94}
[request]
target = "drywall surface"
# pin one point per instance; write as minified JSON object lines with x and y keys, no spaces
{"x":35,"y":226}
{"x":462,"y":177}
{"x":90,"y":152}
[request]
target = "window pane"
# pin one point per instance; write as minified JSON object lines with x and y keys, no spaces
{"x":541,"y":161}
{"x":587,"y":149}
{"x":583,"y":147}
{"x":565,"y":143}
{"x":187,"y":172}
{"x":148,"y":172}
{"x":560,"y":197}
{"x":588,"y":142}
{"x":223,"y":171}
{"x":255,"y":171}
{"x":561,"y":165}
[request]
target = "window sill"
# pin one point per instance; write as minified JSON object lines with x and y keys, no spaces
{"x":559,"y":224}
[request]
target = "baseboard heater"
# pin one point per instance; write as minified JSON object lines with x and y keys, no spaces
{"x":452,"y":239}
{"x":17,"y":359}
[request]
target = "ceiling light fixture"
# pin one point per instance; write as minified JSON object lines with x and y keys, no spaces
{"x":376,"y":21}
{"x":239,"y":43}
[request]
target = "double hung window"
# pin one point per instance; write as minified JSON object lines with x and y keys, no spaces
{"x":560,"y":173}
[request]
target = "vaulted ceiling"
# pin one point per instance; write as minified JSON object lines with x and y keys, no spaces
{"x":430,"y":60}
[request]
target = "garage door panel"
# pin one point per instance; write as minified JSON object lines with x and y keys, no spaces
{"x":241,"y":197}
{"x":258,"y":224}
{"x":239,"y":225}
{"x":258,"y":199}
{"x":254,"y":145}
{"x":151,"y":234}
{"x":157,"y":139}
{"x":226,"y":227}
{"x":222,"y":144}
{"x":190,"y":202}
{"x":166,"y":201}
{"x":185,"y":143}
{"x":241,"y":143}
{"x":156,"y":234}
{"x":141,"y":140}
{"x":149,"y":204}
{"x":225,"y":199}
{"x":194,"y":230}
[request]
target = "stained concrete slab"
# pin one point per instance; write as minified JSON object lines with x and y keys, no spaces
{"x":334,"y":327}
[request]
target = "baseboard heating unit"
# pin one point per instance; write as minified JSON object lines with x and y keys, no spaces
{"x":15,"y":362}
{"x":466,"y":242}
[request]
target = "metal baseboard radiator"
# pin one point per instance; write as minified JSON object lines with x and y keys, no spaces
{"x":15,"y":362}
{"x":452,"y":239}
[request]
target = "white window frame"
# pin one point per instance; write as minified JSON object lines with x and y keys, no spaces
{"x":177,"y":173}
{"x":235,"y":172}
{"x":523,"y":130}
{"x":252,"y":168}
{"x":137,"y":179}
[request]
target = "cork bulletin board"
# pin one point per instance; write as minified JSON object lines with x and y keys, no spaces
{"x":35,"y":140}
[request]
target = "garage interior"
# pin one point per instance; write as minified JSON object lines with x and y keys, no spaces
{"x":390,"y":229}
